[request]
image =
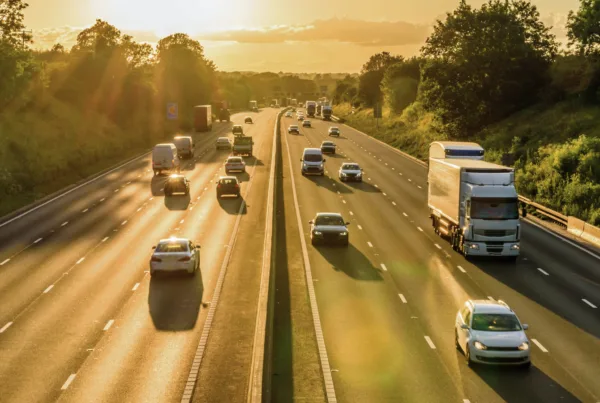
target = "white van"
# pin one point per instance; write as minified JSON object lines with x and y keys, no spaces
{"x":313,"y":162}
{"x":165,"y":158}
{"x":185,"y":146}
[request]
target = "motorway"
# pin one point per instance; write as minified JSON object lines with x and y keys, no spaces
{"x":387,"y":303}
{"x":81,"y":319}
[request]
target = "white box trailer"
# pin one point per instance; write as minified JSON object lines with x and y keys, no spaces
{"x":475,"y":204}
{"x":456,"y":150}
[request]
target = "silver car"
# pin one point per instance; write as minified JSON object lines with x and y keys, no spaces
{"x":489,"y":332}
{"x":329,"y":228}
{"x":223,"y":142}
{"x":235,"y":164}
{"x":350,"y":171}
{"x":175,"y":255}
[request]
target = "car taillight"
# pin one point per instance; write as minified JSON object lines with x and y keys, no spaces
{"x":237,"y":186}
{"x":185,"y":259}
{"x":218,"y":185}
{"x":156,"y":259}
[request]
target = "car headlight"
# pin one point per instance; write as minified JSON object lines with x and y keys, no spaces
{"x":524,"y":346}
{"x":343,"y":233}
{"x":480,"y":346}
{"x":515,"y":247}
{"x":342,"y":173}
{"x":359,"y":174}
{"x":474,"y":246}
{"x":317,"y":233}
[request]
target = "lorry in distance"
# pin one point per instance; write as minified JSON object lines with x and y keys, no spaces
{"x":202,"y":118}
{"x":311,"y":108}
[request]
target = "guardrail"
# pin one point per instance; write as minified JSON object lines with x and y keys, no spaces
{"x":550,"y":214}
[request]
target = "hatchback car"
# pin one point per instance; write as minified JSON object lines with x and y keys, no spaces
{"x":350,"y":171}
{"x":300,"y":117}
{"x":334,"y":131}
{"x":328,"y":147}
{"x":223,"y":143}
{"x":177,"y":184}
{"x":306,"y":123}
{"x":247,"y":119}
{"x":237,"y":129}
{"x":175,"y":255}
{"x":489,"y":332}
{"x":228,"y":185}
{"x":235,"y":164}
{"x":293,"y":129}
{"x":288,"y":114}
{"x":329,"y":228}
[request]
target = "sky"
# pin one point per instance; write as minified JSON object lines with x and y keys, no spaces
{"x":269,"y":35}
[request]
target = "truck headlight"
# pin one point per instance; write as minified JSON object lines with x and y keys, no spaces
{"x":480,"y":346}
{"x":524,"y":346}
{"x":343,"y":233}
{"x":474,"y":246}
{"x":317,"y":233}
{"x":514,"y":246}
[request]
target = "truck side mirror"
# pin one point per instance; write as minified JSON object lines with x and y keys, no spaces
{"x":523,"y":210}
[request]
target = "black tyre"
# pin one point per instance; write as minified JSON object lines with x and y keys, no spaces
{"x":456,"y":343}
{"x":526,"y":366}
{"x":470,"y":362}
{"x":313,"y":241}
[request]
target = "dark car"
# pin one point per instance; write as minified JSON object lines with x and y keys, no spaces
{"x":329,"y":228}
{"x":228,"y":185}
{"x":334,"y":131}
{"x":306,"y":123}
{"x":328,"y":147}
{"x":247,"y":119}
{"x":237,"y":129}
{"x":177,"y":184}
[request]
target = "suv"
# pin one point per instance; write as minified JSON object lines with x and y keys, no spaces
{"x":329,"y":228}
{"x":489,"y":332}
{"x":223,"y":142}
{"x":228,"y":185}
{"x":328,"y":147}
{"x":237,"y":129}
{"x":177,"y":184}
{"x":334,"y":131}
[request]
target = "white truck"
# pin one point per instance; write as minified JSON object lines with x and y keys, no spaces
{"x":254,"y":106}
{"x":456,"y":149}
{"x":475,"y":205}
{"x":326,"y":112}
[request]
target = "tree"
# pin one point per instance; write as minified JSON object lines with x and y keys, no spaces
{"x":12,"y":28}
{"x":483,"y":64}
{"x":345,"y":89}
{"x":371,"y":75}
{"x":400,"y":84}
{"x":583,"y":27}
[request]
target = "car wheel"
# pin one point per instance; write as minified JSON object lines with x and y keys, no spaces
{"x":470,"y":362}
{"x":526,"y":366}
{"x":313,"y":241}
{"x":456,"y":343}
{"x":238,"y":195}
{"x":152,"y":273}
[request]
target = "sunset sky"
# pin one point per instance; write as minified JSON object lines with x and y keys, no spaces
{"x":268,"y":35}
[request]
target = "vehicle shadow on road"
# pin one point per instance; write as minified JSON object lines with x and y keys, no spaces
{"x":363,"y":186}
{"x":231,"y":205}
{"x":250,"y":161}
{"x":157,"y":184}
{"x":242,"y":176}
{"x":350,"y":261}
{"x":174,"y":301}
{"x":188,"y":164}
{"x":329,"y":183}
{"x":177,"y":202}
{"x":514,"y":384}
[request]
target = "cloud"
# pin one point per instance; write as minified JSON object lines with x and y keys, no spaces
{"x":363,"y":33}
{"x":558,"y":22}
{"x":67,"y":36}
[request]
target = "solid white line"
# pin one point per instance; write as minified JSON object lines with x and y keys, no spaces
{"x":428,"y":340}
{"x":589,"y":303}
{"x":124,"y":222}
{"x":47,"y":290}
{"x":4,"y":262}
{"x":359,"y":227}
{"x":402,"y":298}
{"x":85,"y":211}
{"x":63,"y":224}
{"x":135,"y":287}
{"x":537,"y":343}
{"x":405,"y":215}
{"x":38,"y":240}
{"x":370,"y":244}
{"x":394,"y":203}
{"x":383,"y":267}
{"x":461,"y":269}
{"x":80,"y":260}
{"x":545,"y":273}
{"x":420,"y":229}
{"x":581,"y":248}
{"x":108,"y":324}
{"x":105,"y":239}
{"x":437,"y":246}
{"x":68,"y":382}
{"x":5,"y":327}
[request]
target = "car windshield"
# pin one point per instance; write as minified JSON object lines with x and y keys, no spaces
{"x":234,"y":160}
{"x":494,"y":322}
{"x":328,"y":144}
{"x":229,"y":181}
{"x":313,"y":157}
{"x":334,"y":129}
{"x":329,"y":220}
{"x":223,"y":140}
{"x":172,"y":247}
{"x":495,"y":208}
{"x":351,"y":167}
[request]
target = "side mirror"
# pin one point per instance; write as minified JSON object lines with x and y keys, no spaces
{"x":464,"y":326}
{"x":197,"y":246}
{"x":311,"y":222}
{"x":154,"y":247}
{"x":324,"y":160}
{"x":525,"y":326}
{"x":347,"y":223}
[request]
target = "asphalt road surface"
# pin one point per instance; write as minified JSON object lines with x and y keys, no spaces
{"x":387,"y":303}
{"x":82,"y":320}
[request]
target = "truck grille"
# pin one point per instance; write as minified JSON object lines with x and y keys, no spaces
{"x":495,"y":232}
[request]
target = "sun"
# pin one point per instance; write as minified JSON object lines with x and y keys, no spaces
{"x":166,"y":17}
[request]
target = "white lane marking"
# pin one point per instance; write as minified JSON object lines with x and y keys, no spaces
{"x":589,"y":303}
{"x":68,"y":381}
{"x":124,"y":222}
{"x":369,"y":178}
{"x":105,"y":239}
{"x":394,"y":203}
{"x":351,"y":213}
{"x":420,"y":229}
{"x":419,"y":187}
{"x":537,"y":343}
{"x":127,"y":183}
{"x":386,"y":163}
{"x":116,"y":190}
{"x":466,"y":401}
{"x":370,"y":244}
{"x":405,"y":215}
{"x":5,"y":327}
{"x":344,"y":201}
{"x":108,"y":324}
{"x":383,"y":267}
{"x":135,"y":287}
{"x":338,"y":192}
{"x":581,"y":248}
{"x":410,"y":180}
{"x":38,"y":240}
{"x":545,"y":273}
{"x":139,"y":209}
{"x":151,"y":198}
{"x":359,"y":227}
{"x":428,"y":340}
{"x":393,"y":169}
{"x":490,"y":298}
{"x":400,"y":173}
{"x":376,"y":186}
{"x":181,"y":222}
{"x":139,"y":175}
{"x":4,"y":262}
{"x":47,"y":290}
{"x":63,"y":224}
{"x":85,"y":211}
{"x":402,"y":298}
{"x":385,"y":194}
{"x":101,"y":200}
{"x":437,"y":246}
{"x":461,"y":269}
{"x":80,"y":260}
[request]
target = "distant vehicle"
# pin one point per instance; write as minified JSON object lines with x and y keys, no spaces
{"x":243,"y":145}
{"x":223,"y":143}
{"x":329,"y":228}
{"x":311,"y":108}
{"x":165,"y":158}
{"x":300,"y":117}
{"x":202,"y":118}
{"x":334,"y":131}
{"x":313,"y":162}
{"x":224,"y":115}
{"x":489,"y":332}
{"x":235,"y":164}
{"x":319,"y":107}
{"x":294,"y":102}
{"x":288,"y":114}
{"x":275,"y":103}
{"x":326,"y":112}
{"x":228,"y":185}
{"x":475,"y":204}
{"x":350,"y":171}
{"x":177,"y":184}
{"x":328,"y":147}
{"x":254,"y":106}
{"x":247,"y":119}
{"x":175,"y":255}
{"x":306,"y":123}
{"x":456,"y":149}
{"x":237,"y":129}
{"x":185,"y":146}
{"x":293,"y":129}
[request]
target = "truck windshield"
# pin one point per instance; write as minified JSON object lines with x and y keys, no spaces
{"x":243,"y":140}
{"x":451,"y":152}
{"x":495,"y":208}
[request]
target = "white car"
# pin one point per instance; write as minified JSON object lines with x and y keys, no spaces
{"x":489,"y":332}
{"x":288,"y":114}
{"x":175,"y":254}
{"x":350,"y":171}
{"x":235,"y":164}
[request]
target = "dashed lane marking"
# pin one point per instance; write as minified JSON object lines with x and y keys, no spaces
{"x":80,"y":260}
{"x":383,"y":267}
{"x":461,"y":269}
{"x":437,"y":246}
{"x":63,"y":224}
{"x":124,"y":222}
{"x":404,"y":214}
{"x":38,"y":240}
{"x":544,"y":272}
{"x":9,"y":324}
{"x":370,"y":244}
{"x":537,"y":343}
{"x":4,"y":262}
{"x":394,"y":203}
{"x":428,"y":340}
{"x":50,"y":287}
{"x":68,"y":381}
{"x":402,"y":298}
{"x":351,"y":213}
{"x":105,"y":239}
{"x":135,"y":287}
{"x":108,"y":324}
{"x":85,"y":211}
{"x":420,"y":229}
{"x":589,"y":303}
{"x":359,"y":227}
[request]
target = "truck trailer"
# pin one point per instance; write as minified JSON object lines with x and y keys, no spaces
{"x":202,"y":118}
{"x":311,"y":108}
{"x":475,"y":205}
{"x":326,"y":112}
{"x":455,"y":150}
